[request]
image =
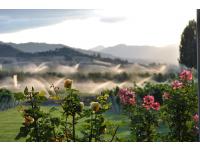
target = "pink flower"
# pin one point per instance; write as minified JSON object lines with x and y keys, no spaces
{"x":132,"y":101}
{"x":155,"y":106}
{"x":148,"y":99}
{"x":148,"y":103}
{"x":177,"y":84}
{"x":166,"y":96}
{"x":196,"y":118}
{"x":185,"y":75}
{"x":127,"y":96}
{"x":146,"y":106}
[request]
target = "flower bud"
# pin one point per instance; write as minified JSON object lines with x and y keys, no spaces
{"x":28,"y":120}
{"x":68,"y":83}
{"x":82,"y":105}
{"x":95,"y":106}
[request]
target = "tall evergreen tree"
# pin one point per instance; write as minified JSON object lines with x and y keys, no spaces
{"x":188,"y":45}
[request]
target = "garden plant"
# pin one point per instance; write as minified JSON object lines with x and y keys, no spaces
{"x":171,"y":106}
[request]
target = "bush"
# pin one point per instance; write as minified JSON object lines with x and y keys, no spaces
{"x":163,"y":77}
{"x":180,"y":105}
{"x":40,"y":126}
{"x":6,"y":99}
{"x":143,"y":114}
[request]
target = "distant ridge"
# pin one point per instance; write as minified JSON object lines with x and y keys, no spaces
{"x":141,"y":54}
{"x":167,"y":54}
{"x":32,"y":47}
{"x":64,"y":54}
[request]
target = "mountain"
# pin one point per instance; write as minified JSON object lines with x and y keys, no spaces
{"x":32,"y":47}
{"x":64,"y":54}
{"x":35,"y":47}
{"x":167,"y":54}
{"x":98,"y":48}
{"x":141,"y":54}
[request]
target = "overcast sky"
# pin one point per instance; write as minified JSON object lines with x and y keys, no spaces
{"x":84,"y":28}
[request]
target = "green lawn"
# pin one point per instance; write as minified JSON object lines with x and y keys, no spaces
{"x":11,"y":120}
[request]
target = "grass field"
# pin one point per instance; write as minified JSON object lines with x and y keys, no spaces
{"x":11,"y":120}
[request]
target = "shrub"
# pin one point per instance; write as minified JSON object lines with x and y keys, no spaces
{"x":40,"y":126}
{"x":143,"y":115}
{"x":35,"y":127}
{"x":180,"y":105}
{"x":7,"y":99}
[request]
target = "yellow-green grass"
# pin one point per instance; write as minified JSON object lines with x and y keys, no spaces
{"x":11,"y":121}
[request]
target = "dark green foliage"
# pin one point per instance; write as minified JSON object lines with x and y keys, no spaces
{"x":163,"y":77}
{"x":98,"y":76}
{"x":144,"y":75}
{"x":7,"y":99}
{"x":71,"y":108}
{"x":144,"y":124}
{"x":188,"y":46}
{"x":35,"y":126}
{"x":95,"y":126}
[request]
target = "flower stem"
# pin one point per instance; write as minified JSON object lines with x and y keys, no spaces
{"x":91,"y":128}
{"x":113,"y":136}
{"x":73,"y":127}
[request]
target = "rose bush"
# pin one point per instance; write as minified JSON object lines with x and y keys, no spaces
{"x":157,"y":112}
{"x":180,"y":104}
{"x":142,"y":113}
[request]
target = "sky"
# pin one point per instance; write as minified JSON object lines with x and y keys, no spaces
{"x":88,"y":28}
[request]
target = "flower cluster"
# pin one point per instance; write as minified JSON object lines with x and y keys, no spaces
{"x":185,"y":75}
{"x":149,"y":102}
{"x":127,"y":96}
{"x":177,"y":84}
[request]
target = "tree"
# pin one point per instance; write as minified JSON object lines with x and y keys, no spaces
{"x":188,"y":46}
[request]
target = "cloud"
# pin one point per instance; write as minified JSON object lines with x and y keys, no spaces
{"x":112,"y":19}
{"x":13,"y":20}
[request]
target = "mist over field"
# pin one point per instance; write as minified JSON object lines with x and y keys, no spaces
{"x":91,"y":73}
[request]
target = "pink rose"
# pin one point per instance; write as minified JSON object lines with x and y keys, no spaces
{"x":185,"y":75}
{"x":177,"y":84}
